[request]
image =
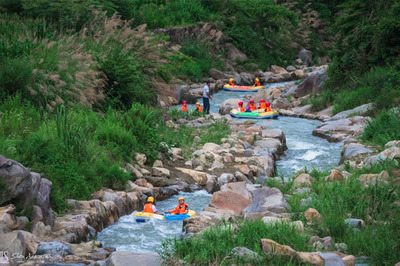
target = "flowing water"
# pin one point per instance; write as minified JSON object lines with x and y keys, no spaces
{"x":304,"y":150}
{"x":127,"y":235}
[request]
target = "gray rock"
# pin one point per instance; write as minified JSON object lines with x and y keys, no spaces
{"x":306,"y":57}
{"x":123,"y":258}
{"x":16,"y":177}
{"x":244,"y":254}
{"x":235,"y":54}
{"x":332,"y":259}
{"x":211,"y":184}
{"x":302,"y":190}
{"x":216,"y":74}
{"x":337,"y":130}
{"x":356,"y":223}
{"x":282,"y":103}
{"x":290,"y":68}
{"x":228,"y":105}
{"x":54,"y":248}
{"x":360,"y":111}
{"x":388,"y":154}
{"x":267,"y":199}
{"x":226,"y":178}
{"x":354,"y":151}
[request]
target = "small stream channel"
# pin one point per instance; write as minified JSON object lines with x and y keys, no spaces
{"x":304,"y":150}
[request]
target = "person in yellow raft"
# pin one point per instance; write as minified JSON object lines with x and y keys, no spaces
{"x":150,"y":207}
{"x":231,"y":82}
{"x":257,"y":83}
{"x":265,"y":106}
{"x":182,"y":207}
{"x":198,"y":107}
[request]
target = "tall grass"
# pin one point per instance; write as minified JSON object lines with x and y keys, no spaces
{"x":213,"y":246}
{"x":382,"y":129}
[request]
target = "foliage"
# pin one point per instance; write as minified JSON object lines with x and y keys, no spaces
{"x":382,"y":129}
{"x":213,"y":246}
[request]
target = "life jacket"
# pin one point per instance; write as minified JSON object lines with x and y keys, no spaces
{"x":199,"y":108}
{"x":263,"y":105}
{"x":268,"y":109}
{"x":240,"y":109}
{"x":181,"y":208}
{"x":257,"y":84}
{"x":232,"y":84}
{"x":252,"y":107}
{"x":148,"y":207}
{"x":184,"y":108}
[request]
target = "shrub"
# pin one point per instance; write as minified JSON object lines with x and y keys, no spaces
{"x":382,"y":129}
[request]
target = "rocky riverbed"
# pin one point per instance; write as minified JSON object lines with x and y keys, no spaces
{"x":233,"y":172}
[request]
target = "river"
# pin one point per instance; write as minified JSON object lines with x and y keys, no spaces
{"x":304,"y":150}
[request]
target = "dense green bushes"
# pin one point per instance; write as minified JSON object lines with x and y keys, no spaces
{"x":384,"y":128}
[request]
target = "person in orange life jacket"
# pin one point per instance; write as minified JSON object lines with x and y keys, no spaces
{"x":257,"y":83}
{"x":182,"y":207}
{"x":198,"y":107}
{"x":251,"y":106}
{"x":268,"y":109}
{"x":240,"y":107}
{"x":263,"y":105}
{"x":184,"y":107}
{"x":149,"y":206}
{"x":231,"y":82}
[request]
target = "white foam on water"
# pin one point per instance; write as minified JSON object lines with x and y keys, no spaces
{"x":299,"y":145}
{"x":311,"y":155}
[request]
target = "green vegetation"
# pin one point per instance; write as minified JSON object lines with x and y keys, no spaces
{"x":383,"y":128}
{"x":377,"y":239}
{"x":213,"y":246}
{"x":82,"y":151}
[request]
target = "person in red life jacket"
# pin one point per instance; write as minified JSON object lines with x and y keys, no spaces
{"x":198,"y":107}
{"x":182,"y":207}
{"x":257,"y":83}
{"x":231,"y":82}
{"x":240,"y":108}
{"x":251,"y":106}
{"x":149,"y":206}
{"x":263,"y":105}
{"x":268,"y":109}
{"x":184,"y":107}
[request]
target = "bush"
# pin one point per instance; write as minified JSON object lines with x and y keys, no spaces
{"x":383,"y":128}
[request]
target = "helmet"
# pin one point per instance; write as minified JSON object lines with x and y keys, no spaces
{"x":150,"y":199}
{"x":181,"y":198}
{"x":257,"y":80}
{"x":231,"y":80}
{"x":184,"y":102}
{"x":197,"y":103}
{"x":267,"y":104}
{"x":252,"y":101}
{"x":262,"y":101}
{"x":240,"y":103}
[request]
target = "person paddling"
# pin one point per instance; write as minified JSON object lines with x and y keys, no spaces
{"x":257,"y":83}
{"x":231,"y":82}
{"x":240,"y":108}
{"x":150,"y":207}
{"x":182,"y":207}
{"x":251,"y":106}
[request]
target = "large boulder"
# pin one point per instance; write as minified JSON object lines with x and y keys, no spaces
{"x":199,"y":177}
{"x":360,"y":110}
{"x":354,"y":152}
{"x":54,"y":248}
{"x":228,"y":105}
{"x":235,"y":54}
{"x":122,"y":258}
{"x":306,"y":56}
{"x":229,"y":200}
{"x":267,"y":199}
{"x":281,"y":103}
{"x":311,"y":84}
{"x":216,"y":74}
{"x":303,"y":180}
{"x":239,"y":188}
{"x":16,"y":177}
{"x":337,"y":130}
{"x":278,"y":70}
{"x":388,"y":154}
{"x":18,"y":242}
{"x":8,"y":220}
{"x":263,"y":94}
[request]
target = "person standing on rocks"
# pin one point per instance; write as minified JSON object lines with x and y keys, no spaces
{"x":206,"y":98}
